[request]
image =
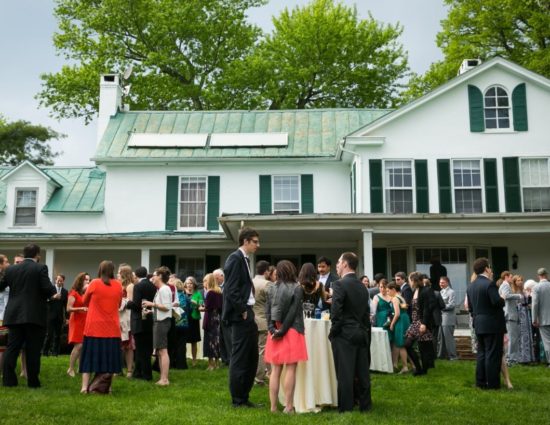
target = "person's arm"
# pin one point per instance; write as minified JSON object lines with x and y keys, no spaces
{"x":270,"y":325}
{"x":164,"y":300}
{"x":450,"y":303}
{"x":134,"y":299}
{"x":396,"y":312}
{"x":48,"y":289}
{"x":231,"y":290}
{"x":494,"y":296}
{"x":338,"y":296}
{"x":374,"y":307}
{"x":295,"y":302}
{"x":505,"y":291}
{"x":88,"y":294}
{"x":535,"y":306}
{"x":71,"y":308}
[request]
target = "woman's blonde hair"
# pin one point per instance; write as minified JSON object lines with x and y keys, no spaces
{"x":211,"y":284}
{"x":126,"y":275}
{"x":180,"y":286}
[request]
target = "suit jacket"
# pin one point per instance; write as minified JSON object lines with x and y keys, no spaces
{"x":448,"y":315}
{"x":237,"y":287}
{"x":30,"y":287}
{"x":541,"y":303}
{"x":485,"y":305}
{"x":407,"y":294}
{"x":57,"y":309}
{"x":350,"y":313}
{"x":511,"y":301}
{"x":143,"y":290}
{"x":426,"y":307}
{"x":261,"y":287}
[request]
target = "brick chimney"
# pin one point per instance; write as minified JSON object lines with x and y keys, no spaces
{"x":110,"y":101}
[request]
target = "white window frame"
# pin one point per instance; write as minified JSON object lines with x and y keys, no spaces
{"x":180,"y":202}
{"x":481,"y":185}
{"x":16,"y":192}
{"x":498,"y":129}
{"x":523,"y":184}
{"x":386,"y":187}
{"x":274,"y":201}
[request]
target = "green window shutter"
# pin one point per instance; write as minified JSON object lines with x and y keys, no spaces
{"x":444,"y":181}
{"x":379,"y":261}
{"x":376,"y":186}
{"x":265,"y":194}
{"x":211,"y":263}
{"x":168,"y":261}
{"x":491,"y":185}
{"x":172,"y":183}
{"x":213,"y":203}
{"x":499,"y":260}
{"x":422,"y":195}
{"x":519,"y":107}
{"x":512,"y":189}
{"x":307,"y":193}
{"x":475,"y":99}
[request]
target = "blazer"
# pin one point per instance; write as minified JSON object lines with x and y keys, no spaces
{"x":427,"y":306}
{"x":407,"y":294}
{"x":485,"y":305}
{"x":511,"y":302}
{"x":57,"y":309}
{"x":261,"y":286}
{"x":284,"y":304}
{"x":143,"y":290}
{"x":350,"y":313}
{"x":541,"y":303}
{"x":448,"y":315}
{"x":30,"y":288}
{"x":237,"y":287}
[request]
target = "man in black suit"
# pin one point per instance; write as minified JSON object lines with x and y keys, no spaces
{"x":25,"y":314}
{"x":142,"y":327}
{"x":486,"y":307}
{"x":406,"y":290}
{"x":238,"y":300}
{"x":57,"y":315}
{"x":326,"y":277}
{"x":350,"y":335}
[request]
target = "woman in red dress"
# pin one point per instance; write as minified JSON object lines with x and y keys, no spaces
{"x":286,"y":345}
{"x":77,"y":319}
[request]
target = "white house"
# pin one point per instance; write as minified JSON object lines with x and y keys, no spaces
{"x":462,"y":172}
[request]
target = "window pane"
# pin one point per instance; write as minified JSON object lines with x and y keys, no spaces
{"x":490,"y":113}
{"x":399,"y":201}
{"x":286,"y":194}
{"x":25,"y":208}
{"x":193,"y":202}
{"x":468,"y":201}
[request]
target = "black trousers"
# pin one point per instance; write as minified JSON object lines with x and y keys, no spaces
{"x":244,"y":358}
{"x":180,"y":350}
{"x":225,"y":342}
{"x":32,"y":336}
{"x":352,"y":361}
{"x":489,"y":359}
{"x":53,"y":337}
{"x":143,"y":353}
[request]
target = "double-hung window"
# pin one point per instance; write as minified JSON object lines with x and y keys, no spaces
{"x":467,"y":186}
{"x":192,"y":213}
{"x":535,"y":184}
{"x":25,"y":207}
{"x":497,"y":108}
{"x":286,"y":194}
{"x":398,"y":187}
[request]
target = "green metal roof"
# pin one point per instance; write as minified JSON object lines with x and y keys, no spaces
{"x":82,"y":189}
{"x":311,"y":132}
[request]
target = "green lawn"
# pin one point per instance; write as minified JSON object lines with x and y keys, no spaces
{"x":196,"y":396}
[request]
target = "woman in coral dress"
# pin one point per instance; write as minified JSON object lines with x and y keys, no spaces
{"x":77,"y":318}
{"x":286,"y":343}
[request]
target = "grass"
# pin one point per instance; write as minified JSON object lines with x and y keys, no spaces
{"x":445,"y":396}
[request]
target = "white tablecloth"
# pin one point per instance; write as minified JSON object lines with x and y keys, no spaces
{"x":316,"y":383}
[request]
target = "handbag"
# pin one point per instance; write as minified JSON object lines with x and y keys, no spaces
{"x":101,"y":384}
{"x":177,"y":312}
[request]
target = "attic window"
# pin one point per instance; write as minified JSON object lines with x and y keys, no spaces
{"x":497,"y":108}
{"x":25,"y":207}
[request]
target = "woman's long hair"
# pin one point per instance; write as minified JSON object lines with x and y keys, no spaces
{"x":78,"y":284}
{"x":126,"y":275}
{"x":211,"y":284}
{"x":106,"y":272}
{"x":286,"y":272}
{"x":416,"y":280}
{"x":308,"y":277}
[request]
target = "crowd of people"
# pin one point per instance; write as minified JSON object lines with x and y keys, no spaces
{"x":255,"y":324}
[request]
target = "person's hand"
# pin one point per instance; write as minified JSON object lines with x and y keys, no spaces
{"x":146,"y":303}
{"x":84,"y":309}
{"x":276,"y":335}
{"x":422,"y":329}
{"x":391,"y":327}
{"x":245,"y":315}
{"x":56,"y":296}
{"x":536,"y":324}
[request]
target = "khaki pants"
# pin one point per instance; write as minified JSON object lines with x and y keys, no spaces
{"x":261,"y":375}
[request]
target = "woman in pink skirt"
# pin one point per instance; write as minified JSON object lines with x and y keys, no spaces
{"x":286,"y":344}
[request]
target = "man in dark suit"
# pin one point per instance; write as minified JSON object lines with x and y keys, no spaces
{"x":326,"y":277}
{"x":57,"y":315}
{"x":238,"y":300}
{"x":142,"y":327}
{"x":350,"y":335}
{"x":486,"y":307}
{"x":406,"y":290}
{"x":25,"y":314}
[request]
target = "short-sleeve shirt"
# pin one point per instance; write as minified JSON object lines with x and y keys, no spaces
{"x":103,"y":302}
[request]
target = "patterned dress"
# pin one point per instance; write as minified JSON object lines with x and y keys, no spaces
{"x":526,"y":346}
{"x":414,"y":329}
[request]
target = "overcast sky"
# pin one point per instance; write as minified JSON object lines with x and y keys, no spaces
{"x":26,"y":48}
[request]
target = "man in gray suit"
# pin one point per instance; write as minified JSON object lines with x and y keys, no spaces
{"x":446,"y":342}
{"x":541,"y":309}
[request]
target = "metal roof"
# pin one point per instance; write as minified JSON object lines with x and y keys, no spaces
{"x":311,"y":132}
{"x":82,"y":190}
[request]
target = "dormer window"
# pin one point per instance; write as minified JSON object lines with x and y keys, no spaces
{"x":497,"y":108}
{"x":25,"y":207}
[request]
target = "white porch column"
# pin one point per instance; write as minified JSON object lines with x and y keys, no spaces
{"x":145,"y":257}
{"x":50,"y":257}
{"x":368,"y":267}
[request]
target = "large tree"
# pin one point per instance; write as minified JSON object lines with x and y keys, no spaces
{"x":179,"y":49}
{"x":20,"y":140}
{"x":518,"y":30}
{"x":323,"y":55}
